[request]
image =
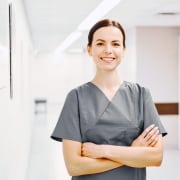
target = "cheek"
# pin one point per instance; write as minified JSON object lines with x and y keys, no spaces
{"x":95,"y":53}
{"x":120,"y":53}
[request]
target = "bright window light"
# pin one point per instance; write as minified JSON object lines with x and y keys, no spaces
{"x":99,"y":12}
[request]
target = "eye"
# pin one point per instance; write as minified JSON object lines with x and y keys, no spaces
{"x":99,"y":44}
{"x":116,"y":44}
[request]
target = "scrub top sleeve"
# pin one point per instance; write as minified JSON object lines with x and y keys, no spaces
{"x":68,"y":126}
{"x":151,"y":115}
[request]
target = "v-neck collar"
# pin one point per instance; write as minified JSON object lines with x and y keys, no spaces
{"x":115,"y":94}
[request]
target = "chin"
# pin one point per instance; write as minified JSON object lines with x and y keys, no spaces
{"x":109,"y":69}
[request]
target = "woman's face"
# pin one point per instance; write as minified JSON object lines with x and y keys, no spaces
{"x":107,"y":48}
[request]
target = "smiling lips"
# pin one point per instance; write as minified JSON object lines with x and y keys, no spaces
{"x":107,"y":59}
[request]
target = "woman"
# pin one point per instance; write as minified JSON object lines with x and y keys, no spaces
{"x":109,"y":127}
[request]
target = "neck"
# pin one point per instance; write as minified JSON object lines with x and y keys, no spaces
{"x":107,"y":79}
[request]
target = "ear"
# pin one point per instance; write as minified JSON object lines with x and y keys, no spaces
{"x":89,"y":50}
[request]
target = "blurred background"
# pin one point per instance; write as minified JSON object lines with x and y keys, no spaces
{"x":43,"y":56}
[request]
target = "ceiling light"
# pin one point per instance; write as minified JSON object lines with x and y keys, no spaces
{"x":100,"y":11}
{"x":68,"y":41}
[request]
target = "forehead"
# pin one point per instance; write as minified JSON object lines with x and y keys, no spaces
{"x":108,"y":33}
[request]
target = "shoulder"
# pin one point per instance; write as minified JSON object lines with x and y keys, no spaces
{"x":73,"y":95}
{"x":138,"y":92}
{"x":84,"y":86}
{"x":136,"y":87}
{"x":84,"y":89}
{"x":79,"y":89}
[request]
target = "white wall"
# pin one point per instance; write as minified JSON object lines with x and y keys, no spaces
{"x":16,"y":113}
{"x":157,"y":69}
{"x":55,"y":74}
{"x":127,"y":68}
{"x":157,"y":65}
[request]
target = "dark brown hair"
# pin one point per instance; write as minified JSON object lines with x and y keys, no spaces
{"x":105,"y":23}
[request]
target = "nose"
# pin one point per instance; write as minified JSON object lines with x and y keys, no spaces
{"x":108,"y":49}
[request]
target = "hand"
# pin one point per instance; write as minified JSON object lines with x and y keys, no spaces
{"x":91,"y":150}
{"x":149,"y":137}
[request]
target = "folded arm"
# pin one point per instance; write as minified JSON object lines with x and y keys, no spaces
{"x":146,"y":150}
{"x":87,"y":158}
{"x":79,"y":165}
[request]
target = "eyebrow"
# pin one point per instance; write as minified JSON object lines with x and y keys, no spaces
{"x":100,"y":40}
{"x":104,"y":40}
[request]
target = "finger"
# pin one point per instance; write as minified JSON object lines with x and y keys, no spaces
{"x":151,"y":133}
{"x":153,"y":138}
{"x":83,"y":150}
{"x":154,"y":142}
{"x":147,"y":130}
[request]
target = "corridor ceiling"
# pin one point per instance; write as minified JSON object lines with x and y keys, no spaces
{"x":50,"y":22}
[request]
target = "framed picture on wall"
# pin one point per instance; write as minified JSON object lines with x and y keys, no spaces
{"x":4,"y":51}
{"x":10,"y":52}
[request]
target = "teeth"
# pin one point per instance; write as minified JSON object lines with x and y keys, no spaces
{"x":107,"y":59}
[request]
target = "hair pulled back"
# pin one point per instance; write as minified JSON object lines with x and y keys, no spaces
{"x":105,"y":23}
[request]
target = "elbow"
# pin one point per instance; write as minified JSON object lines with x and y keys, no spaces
{"x":159,"y":159}
{"x":72,"y":173}
{"x":72,"y":170}
{"x":158,"y":162}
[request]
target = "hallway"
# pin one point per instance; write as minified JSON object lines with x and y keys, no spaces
{"x":43,"y":56}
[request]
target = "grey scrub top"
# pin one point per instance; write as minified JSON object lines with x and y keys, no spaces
{"x":88,"y":116}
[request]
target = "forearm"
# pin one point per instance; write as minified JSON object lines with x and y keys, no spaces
{"x":77,"y":164}
{"x":85,"y":165}
{"x":146,"y":150}
{"x":133,"y":156}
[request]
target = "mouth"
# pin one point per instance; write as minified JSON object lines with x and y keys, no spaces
{"x":107,"y":59}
